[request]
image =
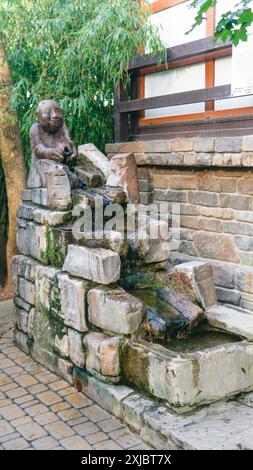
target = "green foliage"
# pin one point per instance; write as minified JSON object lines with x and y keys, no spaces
{"x":52,"y":256}
{"x":233,"y":24}
{"x":74,"y":51}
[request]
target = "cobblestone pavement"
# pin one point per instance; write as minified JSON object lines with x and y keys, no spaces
{"x":39,"y":410}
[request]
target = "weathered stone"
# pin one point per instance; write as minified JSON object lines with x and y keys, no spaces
{"x":51,"y":361}
{"x":152,"y":146}
{"x":40,"y":196}
{"x":182,"y":145}
{"x":173,"y":181}
{"x":37,"y":239}
{"x":131,"y":147}
{"x":215,"y":246}
{"x":203,"y":198}
{"x":236,"y":202}
{"x":59,"y":191}
{"x":23,"y":241}
{"x":152,"y":241}
{"x":123,"y":173}
{"x":237,"y":227}
{"x":169,"y":195}
{"x":115,"y":310}
{"x":111,"y":148}
{"x":246,"y":258}
{"x":218,"y":159}
{"x":90,"y":156}
{"x":223,"y":275}
{"x":244,"y":243}
{"x":26,"y":290}
{"x":25,"y":211}
{"x":47,"y":217}
{"x":247,"y":143}
{"x":228,"y":144}
{"x":228,"y":296}
{"x":232,"y":159}
{"x":95,"y":264}
{"x":21,"y":222}
{"x":20,"y":303}
{"x":102,"y":354}
{"x":190,"y":159}
{"x":76,"y":350}
{"x":211,"y":225}
{"x":244,"y":279}
{"x":108,"y":396}
{"x":134,"y":407}
{"x":26,"y":195}
{"x":201,"y":278}
{"x":46,"y":290}
{"x":203,"y":144}
{"x":73,"y":294}
{"x":31,"y":324}
{"x":247,"y":159}
{"x":25,"y":266}
{"x":146,"y":198}
{"x":111,"y":239}
{"x":191,"y":314}
{"x":92,"y":178}
{"x":204,"y":159}
{"x":21,"y":319}
{"x":62,"y":345}
{"x":234,"y":321}
{"x":20,"y":339}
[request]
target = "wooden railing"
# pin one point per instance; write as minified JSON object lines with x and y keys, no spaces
{"x":128,"y":103}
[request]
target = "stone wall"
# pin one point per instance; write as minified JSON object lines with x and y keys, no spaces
{"x":212,"y":179}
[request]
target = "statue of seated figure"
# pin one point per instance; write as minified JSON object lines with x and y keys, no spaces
{"x":50,"y":139}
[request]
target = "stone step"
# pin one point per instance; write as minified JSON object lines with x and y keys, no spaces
{"x":231,"y":320}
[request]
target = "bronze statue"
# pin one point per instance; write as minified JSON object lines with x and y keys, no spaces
{"x":49,"y":135}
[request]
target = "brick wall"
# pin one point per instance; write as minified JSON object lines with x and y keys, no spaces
{"x":212,"y":179}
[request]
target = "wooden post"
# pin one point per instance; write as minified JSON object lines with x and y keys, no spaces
{"x":121,"y":119}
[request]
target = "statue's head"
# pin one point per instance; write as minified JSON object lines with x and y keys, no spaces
{"x":49,"y":116}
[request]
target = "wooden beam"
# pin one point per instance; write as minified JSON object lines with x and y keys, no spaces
{"x":182,"y":51}
{"x":121,"y":120}
{"x":175,"y":99}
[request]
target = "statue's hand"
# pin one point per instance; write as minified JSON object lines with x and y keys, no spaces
{"x":54,"y":154}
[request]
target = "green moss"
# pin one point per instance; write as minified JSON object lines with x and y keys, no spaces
{"x":56,"y":323}
{"x":52,"y":256}
{"x":134,"y":363}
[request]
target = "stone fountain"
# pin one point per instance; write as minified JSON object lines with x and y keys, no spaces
{"x":108,"y":312}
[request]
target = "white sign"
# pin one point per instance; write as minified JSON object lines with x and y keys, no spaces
{"x":242,"y":67}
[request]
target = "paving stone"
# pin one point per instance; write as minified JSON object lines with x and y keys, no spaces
{"x":95,"y":413}
{"x":59,"y":429}
{"x":59,"y":385}
{"x":16,"y":444}
{"x":110,"y":424}
{"x":69,"y":415}
{"x":108,"y":445}
{"x":8,"y":437}
{"x":84,"y":429}
{"x":96,"y":437}
{"x":9,"y":386}
{"x":125,"y":438}
{"x":45,"y":443}
{"x":78,"y":400}
{"x":76,"y":421}
{"x":26,"y":380}
{"x":46,"y":418}
{"x":19,"y":421}
{"x":16,"y":392}
{"x":11,"y":412}
{"x":5,"y":428}
{"x":22,"y":400}
{"x":60,"y":406}
{"x":36,"y":410}
{"x":31,"y":431}
{"x":75,"y":443}
{"x":34,"y":389}
{"x":48,"y":397}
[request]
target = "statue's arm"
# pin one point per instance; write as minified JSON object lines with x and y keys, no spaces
{"x":71,"y":145}
{"x":40,"y":150}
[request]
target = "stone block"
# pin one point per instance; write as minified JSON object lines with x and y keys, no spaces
{"x":146,"y":198}
{"x":73,"y":294}
{"x":111,"y":148}
{"x":228,"y":144}
{"x":76,"y":350}
{"x":203,"y":144}
{"x":244,"y":243}
{"x":25,"y":266}
{"x":190,"y":159}
{"x":51,"y":361}
{"x":233,"y":321}
{"x":92,"y":178}
{"x":203,"y":198}
{"x":22,"y":241}
{"x":91,"y":157}
{"x":21,"y":319}
{"x":232,"y":159}
{"x":26,"y":195}
{"x":174,"y":158}
{"x":173,"y":181}
{"x":110,"y":397}
{"x":247,"y":143}
{"x":228,"y":296}
{"x":25,"y":211}
{"x":115,"y":310}
{"x":123,"y":173}
{"x":182,"y":145}
{"x":159,"y":146}
{"x":204,"y":159}
{"x":223,"y":275}
{"x":31,"y":323}
{"x":111,"y":239}
{"x":244,"y":279}
{"x":201,"y":278}
{"x":152,"y":240}
{"x":134,"y":408}
{"x":211,"y":225}
{"x":26,"y":290}
{"x":169,"y":195}
{"x":62,"y":345}
{"x":46,"y":291}
{"x":102,"y":354}
{"x":131,"y":147}
{"x":218,"y":159}
{"x":21,"y":222}
{"x":237,"y":228}
{"x":216,"y":246}
{"x":246,"y":258}
{"x":20,"y":339}
{"x":51,"y":218}
{"x":242,"y":203}
{"x":40,"y":196}
{"x":37,"y":239}
{"x":21,"y":304}
{"x":59,"y":190}
{"x":247,"y":159}
{"x":95,"y":264}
